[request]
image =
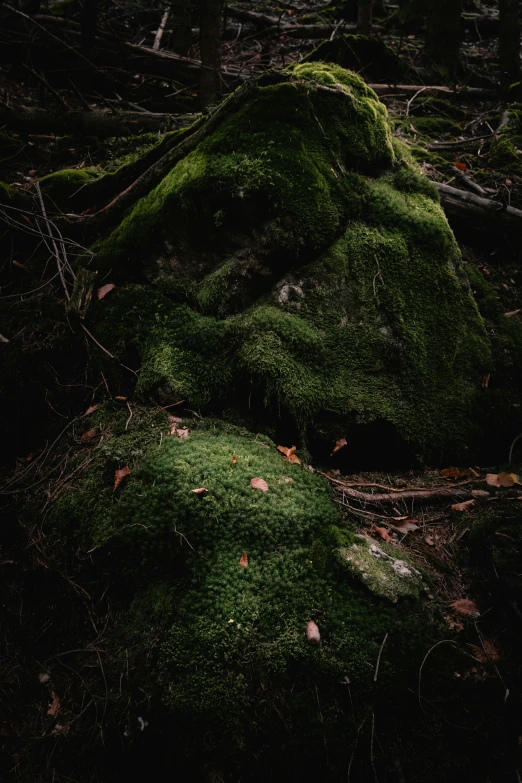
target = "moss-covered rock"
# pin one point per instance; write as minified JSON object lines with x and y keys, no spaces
{"x":60,"y":186}
{"x":296,"y":255}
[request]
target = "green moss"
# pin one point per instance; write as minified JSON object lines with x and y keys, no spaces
{"x":60,"y":186}
{"x":329,"y":279}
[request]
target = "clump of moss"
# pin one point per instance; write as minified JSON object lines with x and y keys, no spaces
{"x":60,"y":186}
{"x":301,"y":257}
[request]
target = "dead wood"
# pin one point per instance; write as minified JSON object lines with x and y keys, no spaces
{"x":462,"y":202}
{"x":103,"y":124}
{"x":465,"y":93}
{"x":409,"y":495}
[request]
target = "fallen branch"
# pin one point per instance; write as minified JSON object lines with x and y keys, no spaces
{"x":461,"y":201}
{"x":422,"y":495}
{"x":87,"y":123}
{"x":276,"y":24}
{"x":470,"y":93}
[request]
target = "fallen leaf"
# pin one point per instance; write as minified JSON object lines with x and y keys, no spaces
{"x":485,"y":380}
{"x":234,"y":459}
{"x":460,"y":166}
{"x":452,"y":473}
{"x":120,"y":398}
{"x":243,"y":560}
{"x":492,"y":479}
{"x":119,"y":476}
{"x":339,"y":444}
{"x":465,"y":607}
{"x":25,"y":218}
{"x":173,"y":422}
{"x":88,"y":435}
{"x":259,"y":483}
{"x":54,"y":708}
{"x":506,"y":479}
{"x":383,"y":533}
{"x":473,"y":473}
{"x":18,"y":264}
{"x":312,"y":633}
{"x":199,"y":490}
{"x":464,"y":506}
{"x":512,"y":313}
{"x":104,"y":290}
{"x":487,"y":653}
{"x":515,"y":477}
{"x":91,"y":409}
{"x":289,"y":454}
{"x":287,"y":480}
{"x":407,"y":527}
{"x":183,"y":433}
{"x":32,"y":172}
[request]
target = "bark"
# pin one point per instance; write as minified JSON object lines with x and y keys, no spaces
{"x":443,"y":33}
{"x":181,"y":21}
{"x":92,"y":123}
{"x":509,"y":42}
{"x":89,"y":23}
{"x":210,"y":79}
{"x":364,"y":17}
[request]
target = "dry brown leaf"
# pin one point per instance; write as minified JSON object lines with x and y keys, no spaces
{"x":487,"y":653}
{"x":234,"y":459}
{"x":339,"y":444}
{"x":119,"y":476}
{"x":312,"y":633}
{"x":512,"y":313}
{"x":88,"y":435}
{"x":465,"y":607}
{"x":120,"y":398}
{"x":464,"y":506}
{"x":383,"y":533}
{"x":243,"y":560}
{"x":54,"y":708}
{"x":473,"y":473}
{"x":505,"y":479}
{"x":492,"y":479}
{"x":287,"y":480}
{"x":173,"y":424}
{"x":183,"y":433}
{"x":515,"y":477}
{"x":485,"y":380}
{"x":289,"y":454}
{"x":452,"y":473}
{"x":91,"y":409}
{"x":18,"y":264}
{"x":199,"y":490}
{"x":259,"y":483}
{"x":104,"y":290}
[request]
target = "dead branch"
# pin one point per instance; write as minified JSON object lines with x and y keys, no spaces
{"x":421,"y":495}
{"x":462,"y":202}
{"x":464,"y":93}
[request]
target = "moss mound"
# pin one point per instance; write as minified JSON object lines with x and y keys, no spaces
{"x":219,"y":640}
{"x":297,"y":257}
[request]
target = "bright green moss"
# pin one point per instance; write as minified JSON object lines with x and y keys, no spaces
{"x":60,"y":186}
{"x":329,"y":279}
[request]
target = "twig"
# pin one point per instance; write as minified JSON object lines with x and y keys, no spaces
{"x":159,"y":32}
{"x":379,"y":657}
{"x":130,"y":415}
{"x":512,"y":447}
{"x":182,"y":535}
{"x":443,"y":641}
{"x":449,"y":195}
{"x":56,"y":253}
{"x":93,"y":338}
{"x":408,"y":104}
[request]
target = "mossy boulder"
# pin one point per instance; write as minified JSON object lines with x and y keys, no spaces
{"x":211,"y":593}
{"x":298,"y":259}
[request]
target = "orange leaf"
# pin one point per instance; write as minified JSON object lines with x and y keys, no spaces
{"x":383,"y":533}
{"x":259,"y":483}
{"x":451,"y":473}
{"x":465,"y":506}
{"x":104,"y":290}
{"x":234,"y":459}
{"x":473,"y":473}
{"x":312,"y":633}
{"x":88,"y":435}
{"x":289,"y":454}
{"x":91,"y":409}
{"x":460,"y":166}
{"x":243,"y":560}
{"x":487,"y":653}
{"x":339,"y":444}
{"x":407,"y":527}
{"x":119,"y":475}
{"x":120,"y":398}
{"x":199,"y":490}
{"x":465,"y":607}
{"x":500,"y":479}
{"x":18,"y":264}
{"x":54,"y":708}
